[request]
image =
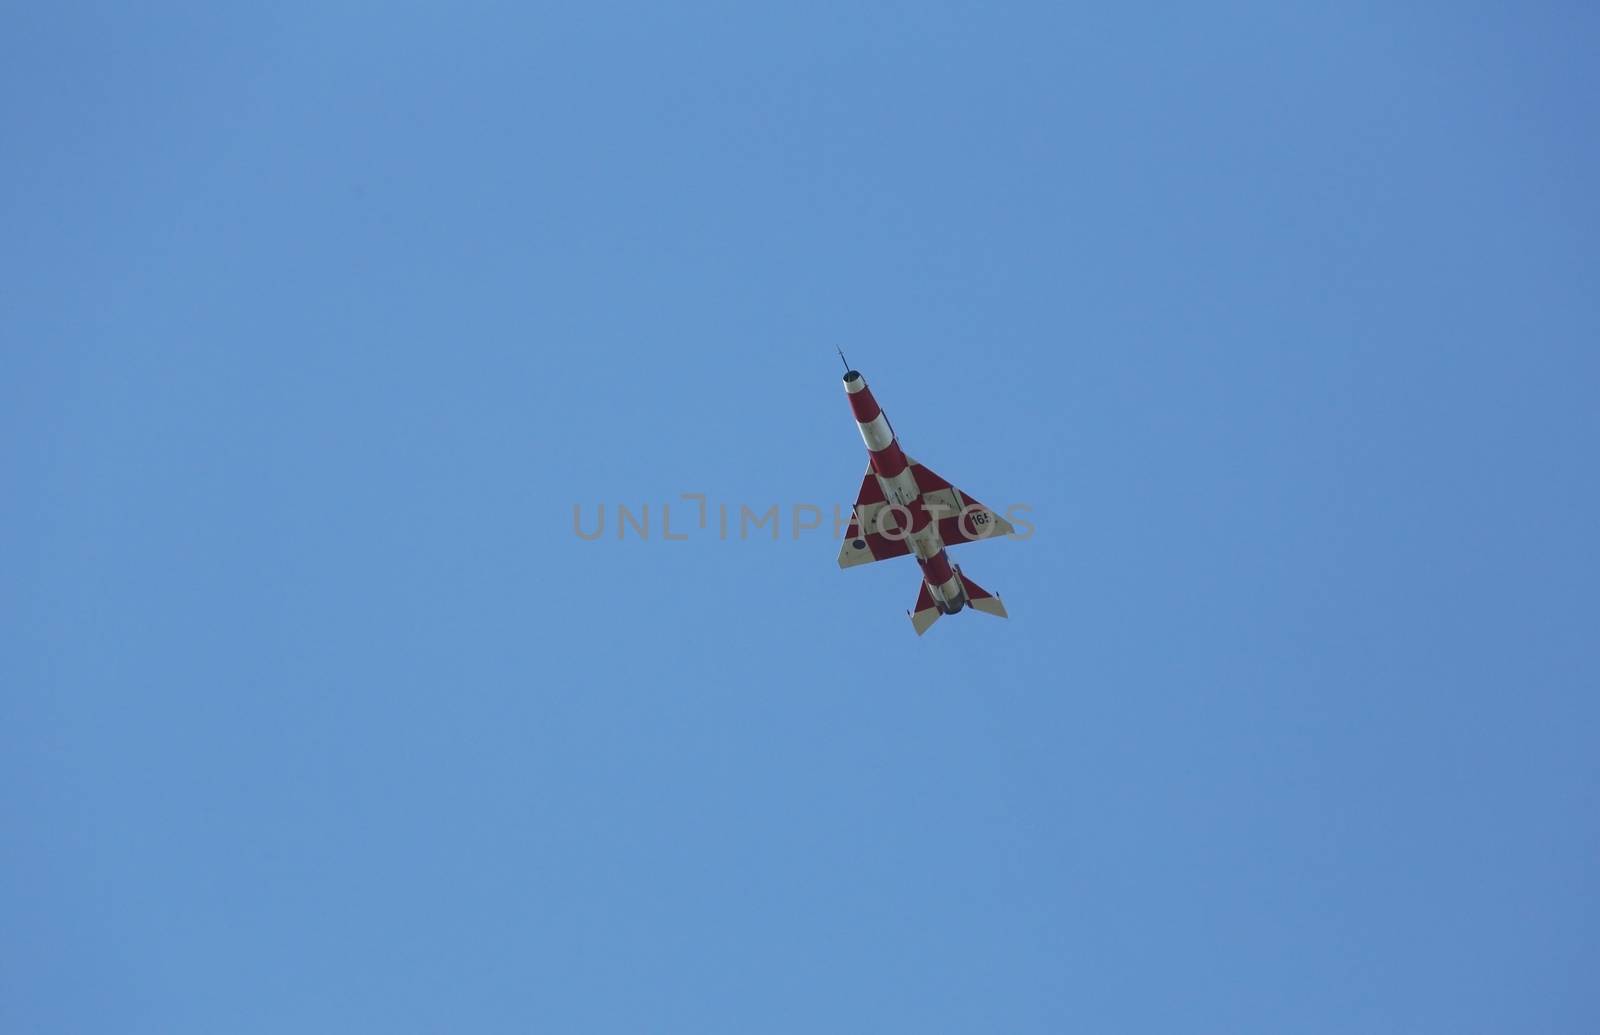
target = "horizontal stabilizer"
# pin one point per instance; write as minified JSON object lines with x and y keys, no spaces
{"x":980,"y":599}
{"x":926,"y":612}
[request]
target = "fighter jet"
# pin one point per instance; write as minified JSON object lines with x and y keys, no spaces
{"x":903,"y":507}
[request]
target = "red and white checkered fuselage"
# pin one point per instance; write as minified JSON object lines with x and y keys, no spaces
{"x":903,"y":507}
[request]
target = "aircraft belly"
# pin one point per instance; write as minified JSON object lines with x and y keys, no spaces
{"x":926,"y":543}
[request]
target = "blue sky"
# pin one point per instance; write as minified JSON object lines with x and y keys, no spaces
{"x":317,"y":322}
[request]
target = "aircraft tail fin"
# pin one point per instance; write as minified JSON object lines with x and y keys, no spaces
{"x":980,"y":599}
{"x":926,"y":612}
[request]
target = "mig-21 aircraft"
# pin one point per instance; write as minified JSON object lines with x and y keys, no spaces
{"x":904,"y":508}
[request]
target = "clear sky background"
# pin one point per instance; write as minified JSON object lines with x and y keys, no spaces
{"x":317,"y":320}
